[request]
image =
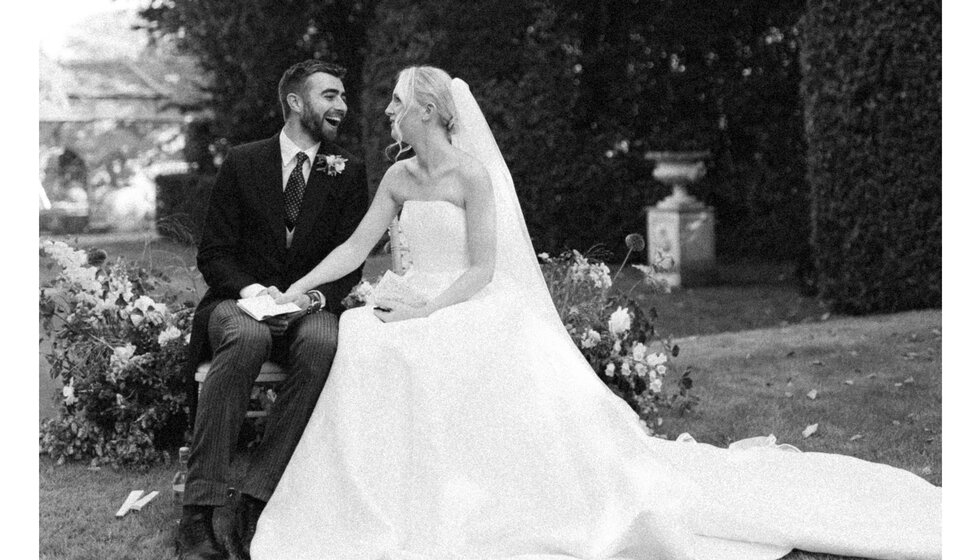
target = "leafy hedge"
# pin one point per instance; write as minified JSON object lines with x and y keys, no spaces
{"x":576,"y":92}
{"x":872,"y":89}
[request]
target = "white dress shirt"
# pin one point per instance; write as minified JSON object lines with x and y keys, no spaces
{"x":288,"y":150}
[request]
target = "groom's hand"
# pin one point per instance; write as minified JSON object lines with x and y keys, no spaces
{"x":279,"y":324}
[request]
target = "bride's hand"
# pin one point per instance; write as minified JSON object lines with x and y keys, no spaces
{"x":398,"y":312}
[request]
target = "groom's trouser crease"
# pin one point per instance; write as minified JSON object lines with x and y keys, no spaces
{"x":241,"y":345}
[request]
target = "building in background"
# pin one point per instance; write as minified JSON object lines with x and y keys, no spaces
{"x":114,"y":113}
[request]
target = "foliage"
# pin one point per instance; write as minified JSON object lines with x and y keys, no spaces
{"x":615,"y":334}
{"x":872,"y":90}
{"x":246,"y":46}
{"x":118,"y":353}
{"x":577,"y":92}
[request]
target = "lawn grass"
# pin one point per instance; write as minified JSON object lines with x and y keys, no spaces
{"x":743,"y":379}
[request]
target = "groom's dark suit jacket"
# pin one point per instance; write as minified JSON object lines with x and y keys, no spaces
{"x":244,"y":236}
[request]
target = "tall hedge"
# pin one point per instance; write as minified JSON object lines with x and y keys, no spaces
{"x":873,"y":120}
{"x":577,"y":91}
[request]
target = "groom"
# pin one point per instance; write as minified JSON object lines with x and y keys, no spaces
{"x":278,"y":207}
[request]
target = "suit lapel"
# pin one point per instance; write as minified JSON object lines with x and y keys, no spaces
{"x":320,"y":187}
{"x":269,"y":183}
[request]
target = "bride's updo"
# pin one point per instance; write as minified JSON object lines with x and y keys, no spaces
{"x":424,"y":85}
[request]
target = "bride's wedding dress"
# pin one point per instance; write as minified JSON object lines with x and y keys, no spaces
{"x":480,"y":432}
{"x":465,"y":435}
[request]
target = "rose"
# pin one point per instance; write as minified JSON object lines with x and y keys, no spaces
{"x":619,"y":321}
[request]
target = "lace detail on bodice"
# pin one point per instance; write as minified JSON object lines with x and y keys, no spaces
{"x":435,"y":231}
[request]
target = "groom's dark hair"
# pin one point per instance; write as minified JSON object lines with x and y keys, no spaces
{"x":294,"y":77}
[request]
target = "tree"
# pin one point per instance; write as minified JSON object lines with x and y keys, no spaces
{"x":246,"y":46}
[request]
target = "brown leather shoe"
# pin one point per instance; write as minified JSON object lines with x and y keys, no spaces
{"x":195,"y":535}
{"x":246,"y":520}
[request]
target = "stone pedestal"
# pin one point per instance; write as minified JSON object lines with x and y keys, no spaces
{"x":683,"y":228}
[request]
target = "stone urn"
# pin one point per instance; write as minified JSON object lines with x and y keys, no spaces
{"x":681,"y":225}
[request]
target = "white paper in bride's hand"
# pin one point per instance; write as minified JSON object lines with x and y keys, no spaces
{"x":260,"y":307}
{"x":393,"y":288}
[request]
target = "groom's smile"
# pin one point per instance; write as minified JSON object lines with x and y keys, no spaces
{"x":324,"y":105}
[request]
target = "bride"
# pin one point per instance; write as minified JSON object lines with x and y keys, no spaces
{"x":472,"y":427}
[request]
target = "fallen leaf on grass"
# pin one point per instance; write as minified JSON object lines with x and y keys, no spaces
{"x":853,"y":352}
{"x":788,"y":394}
{"x":849,"y":382}
{"x":810,"y":430}
{"x":896,"y":422}
{"x":927,"y":470}
{"x":825,"y":316}
{"x":909,"y":380}
{"x":816,"y":363}
{"x":856,"y":437}
{"x":812,"y":394}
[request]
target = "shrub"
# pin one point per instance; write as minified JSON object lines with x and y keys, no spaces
{"x":118,"y":353}
{"x":872,"y":89}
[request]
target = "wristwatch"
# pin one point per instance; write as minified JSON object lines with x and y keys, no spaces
{"x":316,"y":301}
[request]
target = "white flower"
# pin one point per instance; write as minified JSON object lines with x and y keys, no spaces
{"x":599,"y":274}
{"x":121,"y":355}
{"x":610,"y":369}
{"x":68,"y":392}
{"x":625,"y":369}
{"x":639,"y":351}
{"x":143,"y":303}
{"x":187,"y":338}
{"x":590,"y":338}
{"x":656,"y":359}
{"x":617,"y":346}
{"x":656,"y":384}
{"x":171,"y":333}
{"x":332,"y":164}
{"x":661,"y":369}
{"x":619,"y":321}
{"x":544,"y":256}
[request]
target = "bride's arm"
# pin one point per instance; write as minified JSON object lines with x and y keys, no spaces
{"x":351,"y":253}
{"x":481,"y":233}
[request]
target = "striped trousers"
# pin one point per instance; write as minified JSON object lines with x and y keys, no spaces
{"x":240,"y":345}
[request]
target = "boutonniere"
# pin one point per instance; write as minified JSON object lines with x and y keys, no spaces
{"x":333,"y":165}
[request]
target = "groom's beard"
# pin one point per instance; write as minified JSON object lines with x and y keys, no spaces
{"x":316,"y":126}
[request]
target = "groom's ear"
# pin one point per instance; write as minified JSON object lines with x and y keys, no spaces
{"x":295,"y":102}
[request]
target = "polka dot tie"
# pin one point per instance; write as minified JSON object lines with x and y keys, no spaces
{"x":295,"y":186}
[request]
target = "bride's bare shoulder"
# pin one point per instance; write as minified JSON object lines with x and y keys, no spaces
{"x":399,"y":179}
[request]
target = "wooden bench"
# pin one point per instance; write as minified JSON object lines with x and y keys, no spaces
{"x":271,"y":373}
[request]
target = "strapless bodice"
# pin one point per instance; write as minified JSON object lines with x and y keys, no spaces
{"x":435,"y":232}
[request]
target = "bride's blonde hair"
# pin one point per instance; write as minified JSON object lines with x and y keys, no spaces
{"x":423,"y":85}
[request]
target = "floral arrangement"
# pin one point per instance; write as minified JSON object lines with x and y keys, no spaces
{"x":332,"y":164}
{"x":118,"y":353}
{"x":615,"y":334}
